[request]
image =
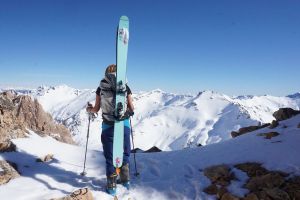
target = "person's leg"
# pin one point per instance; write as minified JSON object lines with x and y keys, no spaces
{"x":107,"y":143}
{"x":107,"y":138}
{"x":127,"y":146}
{"x":124,"y":175}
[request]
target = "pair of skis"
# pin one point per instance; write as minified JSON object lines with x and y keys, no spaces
{"x":122,"y":47}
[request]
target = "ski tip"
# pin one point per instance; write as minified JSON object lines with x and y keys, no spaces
{"x":125,"y":18}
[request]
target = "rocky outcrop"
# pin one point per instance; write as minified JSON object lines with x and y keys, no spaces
{"x":7,"y":146}
{"x":274,"y":124}
{"x":46,"y":158}
{"x":219,"y":175}
{"x":19,"y":113}
{"x":285,"y":113}
{"x":153,"y":149}
{"x":80,"y":194}
{"x":268,"y":135}
{"x":252,"y":169}
{"x":261,"y":184}
{"x":137,"y":150}
{"x":292,"y":187}
{"x":213,"y":189}
{"x":228,"y":196}
{"x":8,"y":171}
{"x":247,"y":129}
{"x":268,"y":181}
{"x":281,"y":114}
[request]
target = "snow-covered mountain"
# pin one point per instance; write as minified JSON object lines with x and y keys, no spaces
{"x":168,"y":121}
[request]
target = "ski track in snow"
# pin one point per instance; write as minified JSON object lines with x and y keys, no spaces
{"x":164,"y":175}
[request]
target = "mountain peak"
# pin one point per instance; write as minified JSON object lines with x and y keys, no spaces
{"x":244,"y":97}
{"x":209,"y":93}
{"x":294,"y":96}
{"x":157,"y":90}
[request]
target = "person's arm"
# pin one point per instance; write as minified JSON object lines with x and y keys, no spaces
{"x":130,"y":103}
{"x":96,"y":108}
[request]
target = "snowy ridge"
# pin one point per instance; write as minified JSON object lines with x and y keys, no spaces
{"x":164,"y":175}
{"x":168,"y":121}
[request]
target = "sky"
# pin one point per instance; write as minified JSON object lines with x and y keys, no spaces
{"x":183,"y":46}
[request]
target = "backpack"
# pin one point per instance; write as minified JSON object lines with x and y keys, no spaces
{"x":108,"y":98}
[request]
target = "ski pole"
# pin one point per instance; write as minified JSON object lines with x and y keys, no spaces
{"x":83,"y":173}
{"x":136,"y":172}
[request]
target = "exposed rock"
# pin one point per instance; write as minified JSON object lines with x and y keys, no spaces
{"x":215,"y":190}
{"x":46,"y":158}
{"x":274,"y":124}
{"x":262,"y":195}
{"x":137,"y":150}
{"x":251,"y":196}
{"x":228,"y":196}
{"x":221,"y":192}
{"x":153,"y":149}
{"x":252,"y":169}
{"x":80,"y":194}
{"x":8,"y":172}
{"x":248,"y":129}
{"x":298,"y":125}
{"x":211,"y":190}
{"x":219,"y":175}
{"x":268,"y":181}
{"x":277,"y":194}
{"x":268,"y":135}
{"x":7,"y":146}
{"x":10,"y":127}
{"x":234,"y":134}
{"x":262,"y":184}
{"x":292,"y":187}
{"x":19,"y":113}
{"x":285,"y":113}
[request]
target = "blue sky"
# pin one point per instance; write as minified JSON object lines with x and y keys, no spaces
{"x":230,"y":46}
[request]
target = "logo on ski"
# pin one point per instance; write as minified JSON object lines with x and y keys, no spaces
{"x":118,"y":160}
{"x":124,"y":35}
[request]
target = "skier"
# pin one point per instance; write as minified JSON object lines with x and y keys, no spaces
{"x":105,"y":99}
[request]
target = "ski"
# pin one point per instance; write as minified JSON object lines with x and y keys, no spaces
{"x":120,"y":107}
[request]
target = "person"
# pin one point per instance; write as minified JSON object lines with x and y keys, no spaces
{"x":105,"y":100}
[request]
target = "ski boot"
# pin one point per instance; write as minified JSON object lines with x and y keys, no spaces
{"x":111,"y":187}
{"x":124,"y":176}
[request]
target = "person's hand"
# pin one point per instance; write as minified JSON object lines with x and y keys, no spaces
{"x":131,"y":113}
{"x":89,"y":107}
{"x":128,"y":114}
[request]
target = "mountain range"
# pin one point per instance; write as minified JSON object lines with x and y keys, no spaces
{"x":166,"y":120}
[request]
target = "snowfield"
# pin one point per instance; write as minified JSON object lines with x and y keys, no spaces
{"x":165,"y":175}
{"x":168,"y":121}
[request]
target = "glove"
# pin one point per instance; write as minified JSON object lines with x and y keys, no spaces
{"x":89,"y":107}
{"x":128,"y":114}
{"x":131,"y":113}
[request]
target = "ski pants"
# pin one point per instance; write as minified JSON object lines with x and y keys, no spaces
{"x":107,"y":138}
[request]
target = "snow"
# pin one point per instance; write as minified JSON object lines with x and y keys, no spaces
{"x":164,"y":175}
{"x":236,"y":186}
